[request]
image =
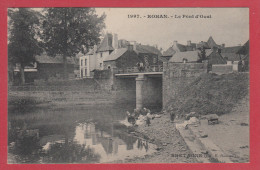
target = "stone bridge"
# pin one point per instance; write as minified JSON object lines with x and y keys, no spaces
{"x":154,"y":86}
{"x":148,"y":87}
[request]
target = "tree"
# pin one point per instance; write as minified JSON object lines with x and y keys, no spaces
{"x":23,"y":41}
{"x":68,"y":31}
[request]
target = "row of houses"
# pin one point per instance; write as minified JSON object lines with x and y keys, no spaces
{"x":121,"y":54}
{"x":209,"y":50}
{"x":112,"y":53}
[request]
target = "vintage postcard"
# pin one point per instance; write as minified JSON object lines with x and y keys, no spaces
{"x":120,"y":85}
{"x":144,"y":85}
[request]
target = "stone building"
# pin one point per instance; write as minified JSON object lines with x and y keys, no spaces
{"x":95,"y":57}
{"x":110,"y":45}
{"x":177,"y":47}
{"x":122,"y":58}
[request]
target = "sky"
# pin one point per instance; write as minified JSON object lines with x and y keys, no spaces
{"x":226,"y":25}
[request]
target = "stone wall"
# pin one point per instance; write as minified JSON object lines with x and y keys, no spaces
{"x":178,"y":75}
{"x":222,"y":69}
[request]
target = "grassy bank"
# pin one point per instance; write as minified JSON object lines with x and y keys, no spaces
{"x":211,"y":94}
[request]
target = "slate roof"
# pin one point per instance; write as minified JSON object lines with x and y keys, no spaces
{"x":191,"y":56}
{"x":169,"y":52}
{"x":45,"y":59}
{"x":203,"y":44}
{"x":216,"y":58}
{"x":106,"y":44}
{"x":231,"y":56}
{"x":211,"y":43}
{"x":162,"y":59}
{"x":234,"y":49}
{"x":176,"y":48}
{"x":147,"y":49}
{"x":208,"y":52}
{"x":179,"y":48}
{"x":231,"y":53}
{"x":191,"y":47}
{"x":115,"y":54}
{"x":244,"y":49}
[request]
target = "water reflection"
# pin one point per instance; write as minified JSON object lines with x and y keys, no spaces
{"x":68,"y":152}
{"x":76,"y":135}
{"x":112,"y":145}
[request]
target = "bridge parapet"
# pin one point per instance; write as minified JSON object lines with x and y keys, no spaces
{"x":151,"y":68}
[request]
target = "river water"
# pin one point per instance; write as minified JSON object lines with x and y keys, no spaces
{"x":73,"y":134}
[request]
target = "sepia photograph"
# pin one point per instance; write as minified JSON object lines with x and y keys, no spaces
{"x":128,"y":85}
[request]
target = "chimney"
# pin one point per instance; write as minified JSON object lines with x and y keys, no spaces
{"x":130,"y":47}
{"x":120,"y":42}
{"x":115,"y":41}
{"x":175,"y":43}
{"x":223,"y":45}
{"x":189,"y":43}
{"x":134,"y":47}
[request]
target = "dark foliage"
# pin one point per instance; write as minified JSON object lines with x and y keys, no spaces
{"x":23,"y":37}
{"x":68,"y":31}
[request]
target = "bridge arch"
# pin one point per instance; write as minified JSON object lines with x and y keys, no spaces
{"x":146,"y":86}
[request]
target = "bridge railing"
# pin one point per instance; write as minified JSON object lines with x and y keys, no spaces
{"x":151,"y":68}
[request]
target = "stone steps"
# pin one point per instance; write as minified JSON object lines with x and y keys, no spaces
{"x":194,"y":144}
{"x":202,"y":146}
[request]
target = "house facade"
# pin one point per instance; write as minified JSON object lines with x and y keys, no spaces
{"x":95,"y":57}
{"x":122,"y":58}
{"x":53,"y":67}
{"x":98,"y":58}
{"x":177,"y":47}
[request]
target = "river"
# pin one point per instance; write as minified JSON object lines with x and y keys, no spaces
{"x":73,"y":134}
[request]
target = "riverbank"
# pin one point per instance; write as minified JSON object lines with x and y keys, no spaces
{"x":225,"y":95}
{"x":171,"y":148}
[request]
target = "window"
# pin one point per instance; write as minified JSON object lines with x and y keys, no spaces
{"x":154,"y":60}
{"x":85,"y":62}
{"x":81,"y":62}
{"x":86,"y":72}
{"x":100,"y":65}
{"x":108,"y":67}
{"x":81,"y":73}
{"x":101,"y":54}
